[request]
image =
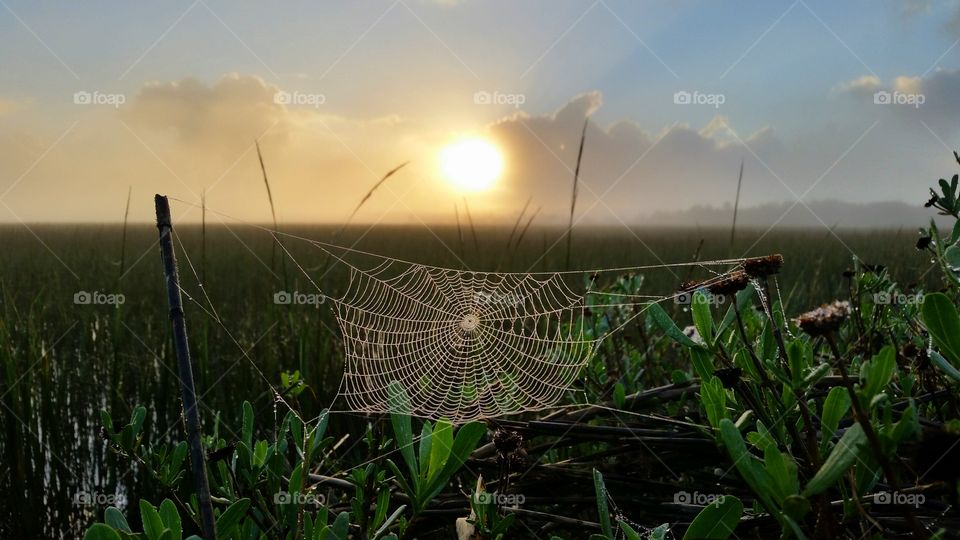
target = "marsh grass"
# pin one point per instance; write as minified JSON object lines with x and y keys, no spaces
{"x":62,"y":363}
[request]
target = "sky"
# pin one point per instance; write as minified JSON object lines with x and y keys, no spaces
{"x":857,"y":101}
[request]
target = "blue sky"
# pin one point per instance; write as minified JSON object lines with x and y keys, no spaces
{"x":398,"y":81}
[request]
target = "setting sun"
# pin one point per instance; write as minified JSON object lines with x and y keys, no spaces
{"x":471,"y":164}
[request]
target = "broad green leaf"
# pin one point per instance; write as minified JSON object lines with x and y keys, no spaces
{"x":848,"y":448}
{"x":440,"y":447}
{"x":629,"y":532}
{"x":171,"y":519}
{"x":426,"y":443}
{"x":702,"y":362}
{"x":944,"y":365}
{"x":152,"y":524}
{"x":670,"y":328}
{"x":389,"y":521}
{"x":468,"y":435}
{"x":835,"y":407}
{"x":114,"y":518}
{"x":714,"y":399}
{"x":232,"y":515}
{"x":702,"y":319}
{"x":341,"y":527}
{"x":402,"y":426}
{"x":101,"y":531}
{"x":878,"y":371}
{"x":717,"y":520}
{"x":753,"y":474}
{"x":943,"y":323}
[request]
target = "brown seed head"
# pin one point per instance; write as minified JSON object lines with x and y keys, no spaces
{"x":763,"y":266}
{"x":730,"y":284}
{"x":825,"y":318}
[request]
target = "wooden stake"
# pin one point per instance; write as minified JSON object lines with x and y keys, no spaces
{"x":191,"y":412}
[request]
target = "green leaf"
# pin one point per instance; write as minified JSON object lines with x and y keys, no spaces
{"x":440,"y":447}
{"x":114,"y":518}
{"x":943,"y":323}
{"x":402,"y":426}
{"x":232,"y":515}
{"x":341,"y":527}
{"x":152,"y":524}
{"x":944,"y":365}
{"x":666,"y":324}
{"x":843,"y":456}
{"x":702,"y":319}
{"x":602,"y":509}
{"x":714,"y":399}
{"x":702,"y":362}
{"x":463,"y":445}
{"x":171,"y":519}
{"x":747,"y":465}
{"x":835,"y":407}
{"x":879,"y":371}
{"x":389,"y":521}
{"x":426,"y":443}
{"x":101,"y":531}
{"x":717,"y":520}
{"x":744,"y":297}
{"x":629,"y":531}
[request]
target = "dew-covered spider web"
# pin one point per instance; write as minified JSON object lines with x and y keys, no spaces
{"x":465,"y":345}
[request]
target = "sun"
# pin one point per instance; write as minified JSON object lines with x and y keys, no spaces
{"x":471,"y":164}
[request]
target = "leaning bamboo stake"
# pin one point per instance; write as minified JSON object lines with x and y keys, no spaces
{"x":191,"y":412}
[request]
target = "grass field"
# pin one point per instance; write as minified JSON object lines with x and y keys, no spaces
{"x":64,"y":362}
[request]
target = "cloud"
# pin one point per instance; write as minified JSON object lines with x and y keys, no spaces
{"x":934,"y":99}
{"x":228,"y":115}
{"x":631,"y":168}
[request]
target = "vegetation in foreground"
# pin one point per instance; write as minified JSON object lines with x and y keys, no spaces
{"x":841,"y":422}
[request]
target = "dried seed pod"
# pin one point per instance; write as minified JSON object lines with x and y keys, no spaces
{"x":825,"y":318}
{"x":730,"y":284}
{"x":763,"y":266}
{"x":689,"y":285}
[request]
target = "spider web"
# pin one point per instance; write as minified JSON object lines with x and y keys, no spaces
{"x":460,"y":345}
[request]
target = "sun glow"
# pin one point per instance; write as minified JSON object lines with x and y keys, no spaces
{"x":471,"y":164}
